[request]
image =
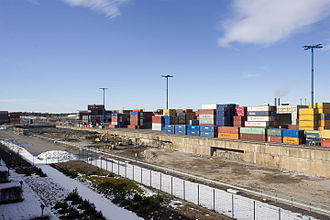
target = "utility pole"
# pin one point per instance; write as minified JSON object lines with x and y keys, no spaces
{"x":103,"y":103}
{"x":318,"y":46}
{"x":167,"y":76}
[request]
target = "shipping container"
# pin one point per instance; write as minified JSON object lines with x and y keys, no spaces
{"x":229,"y":130}
{"x":293,"y":133}
{"x":241,"y":111}
{"x":313,"y":141}
{"x":228,"y":136}
{"x":193,"y":122}
{"x":181,"y":127}
{"x":265,"y":108}
{"x":308,"y":117}
{"x":307,"y":111}
{"x":264,"y":124}
{"x":253,"y":137}
{"x":192,"y":133}
{"x":170,"y":127}
{"x":313,"y":134}
{"x":208,"y":134}
{"x":275,"y":139}
{"x":325,"y":134}
{"x":274,"y":132}
{"x":261,"y":118}
{"x":208,"y":128}
{"x":261,"y":113}
{"x":181,"y":132}
{"x":169,"y":131}
{"x":325,"y":142}
{"x":193,"y":128}
{"x":293,"y":140}
{"x":258,"y":131}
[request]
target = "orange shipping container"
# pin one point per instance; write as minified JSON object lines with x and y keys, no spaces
{"x":228,"y":136}
{"x":228,"y":130}
{"x":292,"y":140}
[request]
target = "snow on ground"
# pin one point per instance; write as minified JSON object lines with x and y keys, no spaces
{"x":58,"y":182}
{"x":29,"y":207}
{"x":54,"y":156}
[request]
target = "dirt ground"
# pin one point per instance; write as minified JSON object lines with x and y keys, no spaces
{"x":296,"y":186}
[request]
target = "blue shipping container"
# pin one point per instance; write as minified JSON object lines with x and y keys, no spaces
{"x":292,"y":133}
{"x":169,"y":131}
{"x":180,"y":127}
{"x":209,"y":134}
{"x":182,"y":132}
{"x":192,"y":133}
{"x":170,"y":127}
{"x":261,"y":113}
{"x":192,"y":128}
{"x":193,"y":122}
{"x":208,"y":128}
{"x":135,"y":113}
{"x":313,"y":141}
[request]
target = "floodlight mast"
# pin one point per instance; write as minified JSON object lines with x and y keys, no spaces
{"x":167,"y":76}
{"x":312,"y":47}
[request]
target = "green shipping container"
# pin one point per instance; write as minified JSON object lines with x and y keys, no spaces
{"x":246,"y":130}
{"x":313,"y":134}
{"x":274,"y":132}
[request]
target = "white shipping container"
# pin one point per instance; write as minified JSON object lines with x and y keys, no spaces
{"x":264,"y":108}
{"x":257,"y":123}
{"x":210,"y":106}
{"x":260,"y":118}
{"x":156,"y":127}
{"x":207,"y":116}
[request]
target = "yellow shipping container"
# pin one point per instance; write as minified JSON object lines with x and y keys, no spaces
{"x":322,"y":105}
{"x":228,"y":136}
{"x":308,"y":117}
{"x":325,"y":134}
{"x":292,"y":140}
{"x":307,"y":111}
{"x":308,"y":123}
{"x":307,"y":128}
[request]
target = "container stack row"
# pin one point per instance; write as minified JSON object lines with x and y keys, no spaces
{"x":261,"y":116}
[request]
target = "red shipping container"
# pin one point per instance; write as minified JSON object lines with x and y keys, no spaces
{"x":188,"y":110}
{"x":206,"y":111}
{"x":253,"y":137}
{"x":325,"y":142}
{"x":113,"y":126}
{"x":138,"y":110}
{"x":293,"y":127}
{"x":228,"y":130}
{"x":238,"y":123}
{"x":274,"y":139}
{"x":158,"y":119}
{"x":241,"y":111}
{"x":240,"y":118}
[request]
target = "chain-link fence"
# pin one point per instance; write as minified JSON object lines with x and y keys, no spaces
{"x":232,"y":205}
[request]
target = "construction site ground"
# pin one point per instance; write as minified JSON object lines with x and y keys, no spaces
{"x":293,"y":186}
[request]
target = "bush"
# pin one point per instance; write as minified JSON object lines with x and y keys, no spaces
{"x":72,"y":213}
{"x":61,"y":205}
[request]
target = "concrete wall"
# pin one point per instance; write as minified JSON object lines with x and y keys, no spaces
{"x":303,"y":159}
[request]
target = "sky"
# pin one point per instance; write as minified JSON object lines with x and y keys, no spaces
{"x":56,"y":54}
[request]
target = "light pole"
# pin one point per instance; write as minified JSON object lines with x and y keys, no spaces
{"x":317,"y":46}
{"x":103,"y":103}
{"x":167,"y":76}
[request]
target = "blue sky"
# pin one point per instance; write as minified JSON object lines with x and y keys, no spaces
{"x":55,"y":54}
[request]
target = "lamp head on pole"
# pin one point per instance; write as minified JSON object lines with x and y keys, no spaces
{"x":313,"y":46}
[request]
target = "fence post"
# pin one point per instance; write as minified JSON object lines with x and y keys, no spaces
{"x":214,"y":199}
{"x":254,"y":210}
{"x":118,"y":166}
{"x":232,"y":206}
{"x":150,"y":178}
{"x":172,"y":185}
{"x":106,"y":164}
{"x":184,"y":190}
{"x":160,"y":181}
{"x":133,"y":172}
{"x":112,"y":165}
{"x":101,"y":162}
{"x":279,"y":213}
{"x":141,"y":175}
{"x":125,"y":170}
{"x":198,"y":194}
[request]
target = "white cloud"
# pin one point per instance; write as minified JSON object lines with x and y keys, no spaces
{"x":108,"y":7}
{"x":250,"y":75}
{"x":268,"y":21}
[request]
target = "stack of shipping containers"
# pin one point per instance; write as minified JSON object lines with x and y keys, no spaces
{"x":293,"y":136}
{"x":119,"y":120}
{"x":325,"y":138}
{"x":140,"y":119}
{"x":261,"y":116}
{"x":14,"y":117}
{"x":323,"y":110}
{"x":253,"y":134}
{"x":313,"y":138}
{"x":4,"y":117}
{"x":193,"y":130}
{"x":207,"y":121}
{"x":240,"y":117}
{"x":289,"y":114}
{"x":180,"y":129}
{"x":308,"y":119}
{"x":274,"y":135}
{"x":225,"y":114}
{"x":158,"y":123}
